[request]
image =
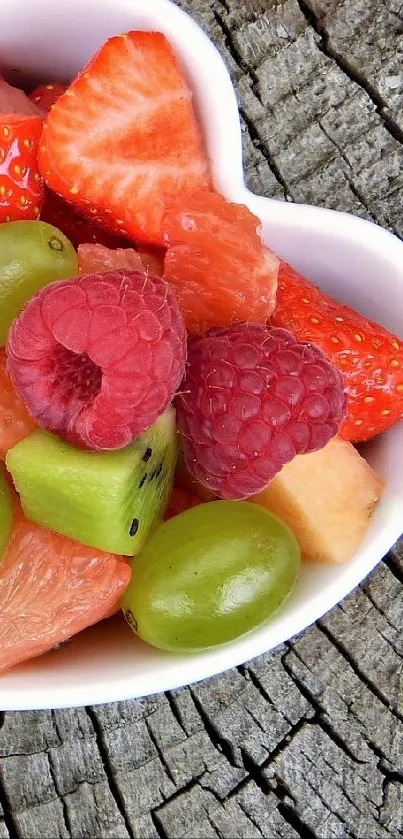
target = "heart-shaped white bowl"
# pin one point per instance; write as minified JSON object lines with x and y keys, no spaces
{"x":356,"y":261}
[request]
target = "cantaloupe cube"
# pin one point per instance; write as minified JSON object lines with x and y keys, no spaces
{"x":327,"y":499}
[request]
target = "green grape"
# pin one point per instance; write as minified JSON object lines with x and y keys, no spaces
{"x":32,"y":254}
{"x":209,"y":575}
{"x":6,"y":512}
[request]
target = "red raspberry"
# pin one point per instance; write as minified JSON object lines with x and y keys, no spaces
{"x":252,"y":399}
{"x":98,"y":358}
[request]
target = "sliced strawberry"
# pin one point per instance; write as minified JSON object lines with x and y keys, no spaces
{"x":123,"y":140}
{"x":369,"y":357}
{"x":21,"y":185}
{"x":45,"y":96}
{"x":77,"y":228}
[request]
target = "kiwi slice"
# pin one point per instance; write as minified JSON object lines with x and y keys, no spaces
{"x":6,"y":512}
{"x":108,"y":500}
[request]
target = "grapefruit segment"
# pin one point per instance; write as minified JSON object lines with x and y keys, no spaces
{"x":204,"y":213}
{"x":153,"y":260}
{"x":98,"y":259}
{"x":221,"y":271}
{"x":6,"y":511}
{"x":15,"y":101}
{"x":50,"y":589}
{"x":15,"y":421}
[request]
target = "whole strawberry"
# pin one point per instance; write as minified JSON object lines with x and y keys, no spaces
{"x":253,"y":398}
{"x":98,"y":358}
{"x":369,"y":357}
{"x":21,"y":186}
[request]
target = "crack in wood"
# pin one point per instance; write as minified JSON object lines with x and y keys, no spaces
{"x":345,"y":65}
{"x":250,"y":817}
{"x":253,"y":133}
{"x":247,"y":672}
{"x":7,"y":814}
{"x":159,"y":751}
{"x":367,"y":592}
{"x":311,"y":782}
{"x":195,"y":782}
{"x":340,"y":647}
{"x":256,"y":140}
{"x":356,"y":192}
{"x":175,"y":710}
{"x":103,"y":751}
{"x":255,"y":772}
{"x":320,"y":718}
{"x":280,"y":790}
{"x":158,"y":826}
{"x":292,"y":818}
{"x":233,"y":49}
{"x":393,"y":566}
{"x":262,"y":146}
{"x":65,"y":812}
{"x":224,"y":746}
{"x":236,"y":789}
{"x":56,"y":725}
{"x":279,"y":748}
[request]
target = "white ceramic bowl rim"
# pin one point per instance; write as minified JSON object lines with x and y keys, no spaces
{"x":355,"y":260}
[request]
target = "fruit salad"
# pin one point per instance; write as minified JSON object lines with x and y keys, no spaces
{"x":179,"y":408}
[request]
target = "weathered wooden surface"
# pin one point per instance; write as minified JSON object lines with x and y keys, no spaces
{"x":306,"y":741}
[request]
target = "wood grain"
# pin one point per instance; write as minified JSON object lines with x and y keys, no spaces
{"x":306,"y":741}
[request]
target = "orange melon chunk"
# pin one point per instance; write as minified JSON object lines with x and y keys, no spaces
{"x":327,"y":499}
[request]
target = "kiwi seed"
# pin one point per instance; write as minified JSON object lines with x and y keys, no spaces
{"x":134,"y":527}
